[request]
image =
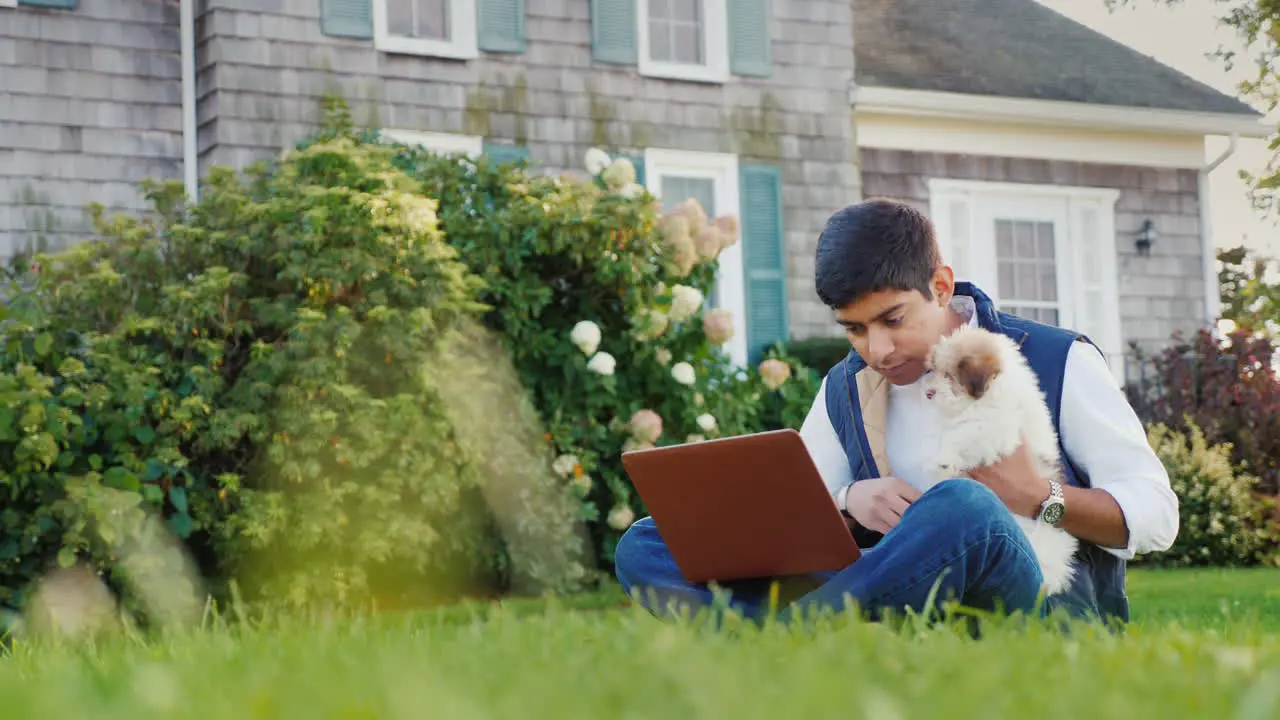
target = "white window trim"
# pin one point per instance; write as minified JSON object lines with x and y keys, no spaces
{"x":715,"y":40}
{"x":944,"y":193}
{"x":8,"y":3}
{"x":464,"y":44}
{"x":444,"y":143}
{"x":722,"y":168}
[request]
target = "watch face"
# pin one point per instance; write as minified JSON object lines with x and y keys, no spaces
{"x":1053,"y":513}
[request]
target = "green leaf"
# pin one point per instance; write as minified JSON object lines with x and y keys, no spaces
{"x":66,"y":557}
{"x":144,"y":434}
{"x":95,"y":462}
{"x":180,"y":525}
{"x":44,"y":343}
{"x":121,"y":479}
{"x":153,"y":494}
{"x":178,"y":496}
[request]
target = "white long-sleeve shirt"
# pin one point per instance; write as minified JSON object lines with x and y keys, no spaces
{"x":1099,"y":430}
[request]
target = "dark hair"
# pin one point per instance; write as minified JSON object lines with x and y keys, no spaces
{"x":875,"y":245}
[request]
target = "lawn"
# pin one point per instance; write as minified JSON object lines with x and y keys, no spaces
{"x":1204,"y":644}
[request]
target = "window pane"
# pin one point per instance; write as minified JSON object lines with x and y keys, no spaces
{"x":658,"y":9}
{"x":433,"y":19}
{"x":1044,"y":237}
{"x":1048,"y":283}
{"x":660,"y":40}
{"x":1004,"y":239}
{"x":400,"y":17}
{"x":677,"y":189}
{"x":1027,"y":277}
{"x":688,"y":10}
{"x":1024,"y":240}
{"x":688,"y":43}
{"x":1049,"y":316}
{"x":1008,"y":283}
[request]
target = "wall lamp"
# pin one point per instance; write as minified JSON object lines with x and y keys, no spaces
{"x":1146,"y":237}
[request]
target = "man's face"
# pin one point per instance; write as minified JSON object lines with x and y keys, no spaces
{"x":894,"y":330}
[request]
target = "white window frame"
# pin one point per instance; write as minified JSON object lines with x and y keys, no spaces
{"x":463,"y":45}
{"x":443,"y":143}
{"x":722,"y":170}
{"x":960,"y":209}
{"x":715,"y":42}
{"x":8,"y":3}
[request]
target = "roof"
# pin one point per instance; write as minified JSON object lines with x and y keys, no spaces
{"x":1020,"y":49}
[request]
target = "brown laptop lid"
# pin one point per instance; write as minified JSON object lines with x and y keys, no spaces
{"x":752,"y":506}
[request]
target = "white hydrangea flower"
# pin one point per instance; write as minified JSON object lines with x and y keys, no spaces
{"x":683,"y":373}
{"x":602,"y":363}
{"x":621,"y":517}
{"x":631,"y":191}
{"x":597,"y":161}
{"x":619,"y":174}
{"x":706,"y":422}
{"x":564,"y":465}
{"x":685,"y":301}
{"x":664,"y":356}
{"x":586,"y":335}
{"x":694,"y":437}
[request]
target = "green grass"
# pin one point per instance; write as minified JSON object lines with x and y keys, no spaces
{"x":590,"y":657}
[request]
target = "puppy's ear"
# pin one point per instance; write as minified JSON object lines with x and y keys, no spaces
{"x":975,"y":372}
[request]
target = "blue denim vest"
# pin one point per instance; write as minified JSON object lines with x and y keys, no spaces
{"x":1099,"y":586}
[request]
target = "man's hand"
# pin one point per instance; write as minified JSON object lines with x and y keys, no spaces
{"x":878,"y":503}
{"x":1015,"y":481}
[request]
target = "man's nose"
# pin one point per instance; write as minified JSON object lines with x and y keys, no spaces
{"x":879,"y":346}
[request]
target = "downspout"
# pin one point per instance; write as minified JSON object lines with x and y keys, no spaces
{"x":1212,"y":296}
{"x":190,"y":160}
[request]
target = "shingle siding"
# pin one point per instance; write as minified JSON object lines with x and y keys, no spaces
{"x":1159,"y":294}
{"x":92,"y":106}
{"x":265,"y":67}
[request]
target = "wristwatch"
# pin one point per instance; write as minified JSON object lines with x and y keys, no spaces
{"x":843,"y":501}
{"x":1054,"y":506}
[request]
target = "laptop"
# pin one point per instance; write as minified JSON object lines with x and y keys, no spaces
{"x":744,"y":507}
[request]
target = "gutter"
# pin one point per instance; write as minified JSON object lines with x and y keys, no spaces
{"x":871,"y":99}
{"x":190,"y":157}
{"x":1208,"y":250}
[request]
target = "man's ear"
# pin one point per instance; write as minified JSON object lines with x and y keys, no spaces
{"x":943,"y":284}
{"x":975,"y":373}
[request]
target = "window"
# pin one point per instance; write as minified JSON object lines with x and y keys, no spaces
{"x":1042,"y":252}
{"x":8,"y":3}
{"x":441,"y":28}
{"x":684,"y":39}
{"x":1028,"y":269}
{"x":674,"y":176}
{"x":444,"y":143}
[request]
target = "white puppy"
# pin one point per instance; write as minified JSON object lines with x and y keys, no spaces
{"x":989,"y":400}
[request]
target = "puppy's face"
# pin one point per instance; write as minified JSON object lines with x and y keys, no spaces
{"x":964,"y":364}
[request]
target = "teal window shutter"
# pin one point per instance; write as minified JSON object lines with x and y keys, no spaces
{"x":613,"y":32}
{"x":500,"y":24}
{"x":347,"y":18}
{"x":57,"y":4}
{"x":764,"y":257}
{"x":506,"y":153}
{"x":750,"y":37}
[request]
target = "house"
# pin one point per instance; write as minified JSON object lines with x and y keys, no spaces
{"x":1040,"y":156}
{"x":1066,"y":172}
{"x":741,"y":103}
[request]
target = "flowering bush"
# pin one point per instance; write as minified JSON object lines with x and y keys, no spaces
{"x":1222,"y":522}
{"x":600,"y":298}
{"x":1228,"y":388}
{"x":252,"y":369}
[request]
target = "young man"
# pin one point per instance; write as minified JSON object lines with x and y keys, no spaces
{"x":879,"y":269}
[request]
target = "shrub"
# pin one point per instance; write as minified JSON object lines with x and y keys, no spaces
{"x":1222,"y":522}
{"x":599,"y":297}
{"x":1229,"y":389}
{"x":819,"y":353}
{"x":254,"y":367}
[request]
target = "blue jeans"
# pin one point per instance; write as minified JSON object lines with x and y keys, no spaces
{"x":958,"y":535}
